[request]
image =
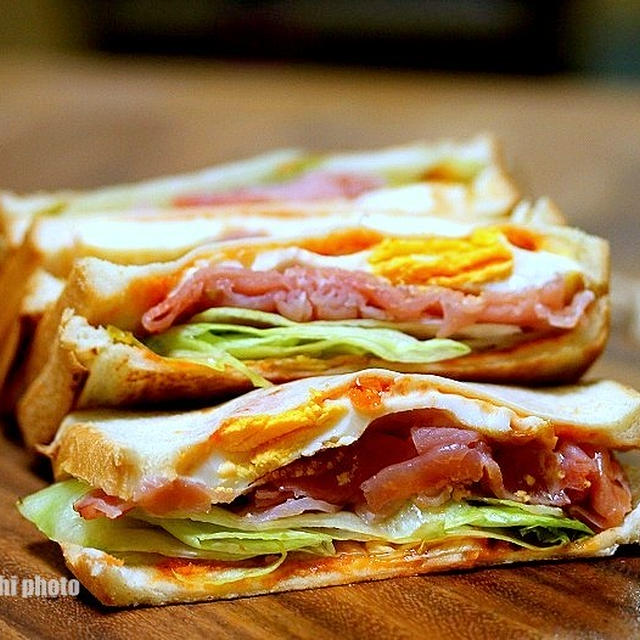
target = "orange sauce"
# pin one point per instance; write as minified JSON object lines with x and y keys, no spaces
{"x":523,"y":238}
{"x":366,"y":392}
{"x":343,"y":242}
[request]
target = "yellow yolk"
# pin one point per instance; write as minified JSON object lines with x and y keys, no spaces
{"x":247,"y":433}
{"x":257,"y":443}
{"x":261,"y":443}
{"x":452,"y":262}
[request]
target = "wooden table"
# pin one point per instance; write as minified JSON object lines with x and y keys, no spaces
{"x":82,"y":123}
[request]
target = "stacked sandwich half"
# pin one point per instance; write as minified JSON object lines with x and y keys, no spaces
{"x":299,"y":371}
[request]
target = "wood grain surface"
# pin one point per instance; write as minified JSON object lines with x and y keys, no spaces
{"x":83,"y":123}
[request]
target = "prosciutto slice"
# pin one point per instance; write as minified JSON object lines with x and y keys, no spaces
{"x":314,"y":185}
{"x":157,"y":497}
{"x":593,"y":476}
{"x":303,"y":294}
{"x":97,"y":504}
{"x":393,"y":462}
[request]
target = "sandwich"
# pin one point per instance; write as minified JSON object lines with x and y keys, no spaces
{"x":497,"y":302}
{"x":281,"y":193}
{"x":339,"y":479}
{"x":464,"y":179}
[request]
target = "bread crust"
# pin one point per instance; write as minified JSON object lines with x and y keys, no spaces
{"x":10,"y":345}
{"x":158,"y":582}
{"x":15,"y":272}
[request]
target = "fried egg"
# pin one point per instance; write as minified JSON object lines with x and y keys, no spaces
{"x":509,"y":259}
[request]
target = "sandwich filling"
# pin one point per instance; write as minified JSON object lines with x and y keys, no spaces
{"x":311,"y":185}
{"x":357,"y":294}
{"x":343,"y":176}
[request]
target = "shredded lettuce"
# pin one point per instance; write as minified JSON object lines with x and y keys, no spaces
{"x":226,"y":336}
{"x":222,"y":535}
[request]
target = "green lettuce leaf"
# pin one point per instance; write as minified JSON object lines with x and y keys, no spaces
{"x":209,"y":537}
{"x":229,"y":336}
{"x":222,"y":535}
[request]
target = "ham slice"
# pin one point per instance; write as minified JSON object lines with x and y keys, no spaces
{"x":303,"y":294}
{"x":157,"y":497}
{"x":313,"y":185}
{"x":97,"y":504}
{"x":393,"y":462}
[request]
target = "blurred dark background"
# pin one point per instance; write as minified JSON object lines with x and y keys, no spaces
{"x":592,"y":37}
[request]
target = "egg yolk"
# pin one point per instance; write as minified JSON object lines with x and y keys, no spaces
{"x":451,"y":262}
{"x":244,"y":434}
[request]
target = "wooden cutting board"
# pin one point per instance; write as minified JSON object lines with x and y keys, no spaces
{"x":83,"y":123}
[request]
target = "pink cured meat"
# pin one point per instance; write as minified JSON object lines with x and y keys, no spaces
{"x":303,"y":294}
{"x":314,"y":185}
{"x":97,"y":504}
{"x":447,"y":457}
{"x":429,"y":464}
{"x":436,"y":463}
{"x":595,"y":477}
{"x":158,"y":497}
